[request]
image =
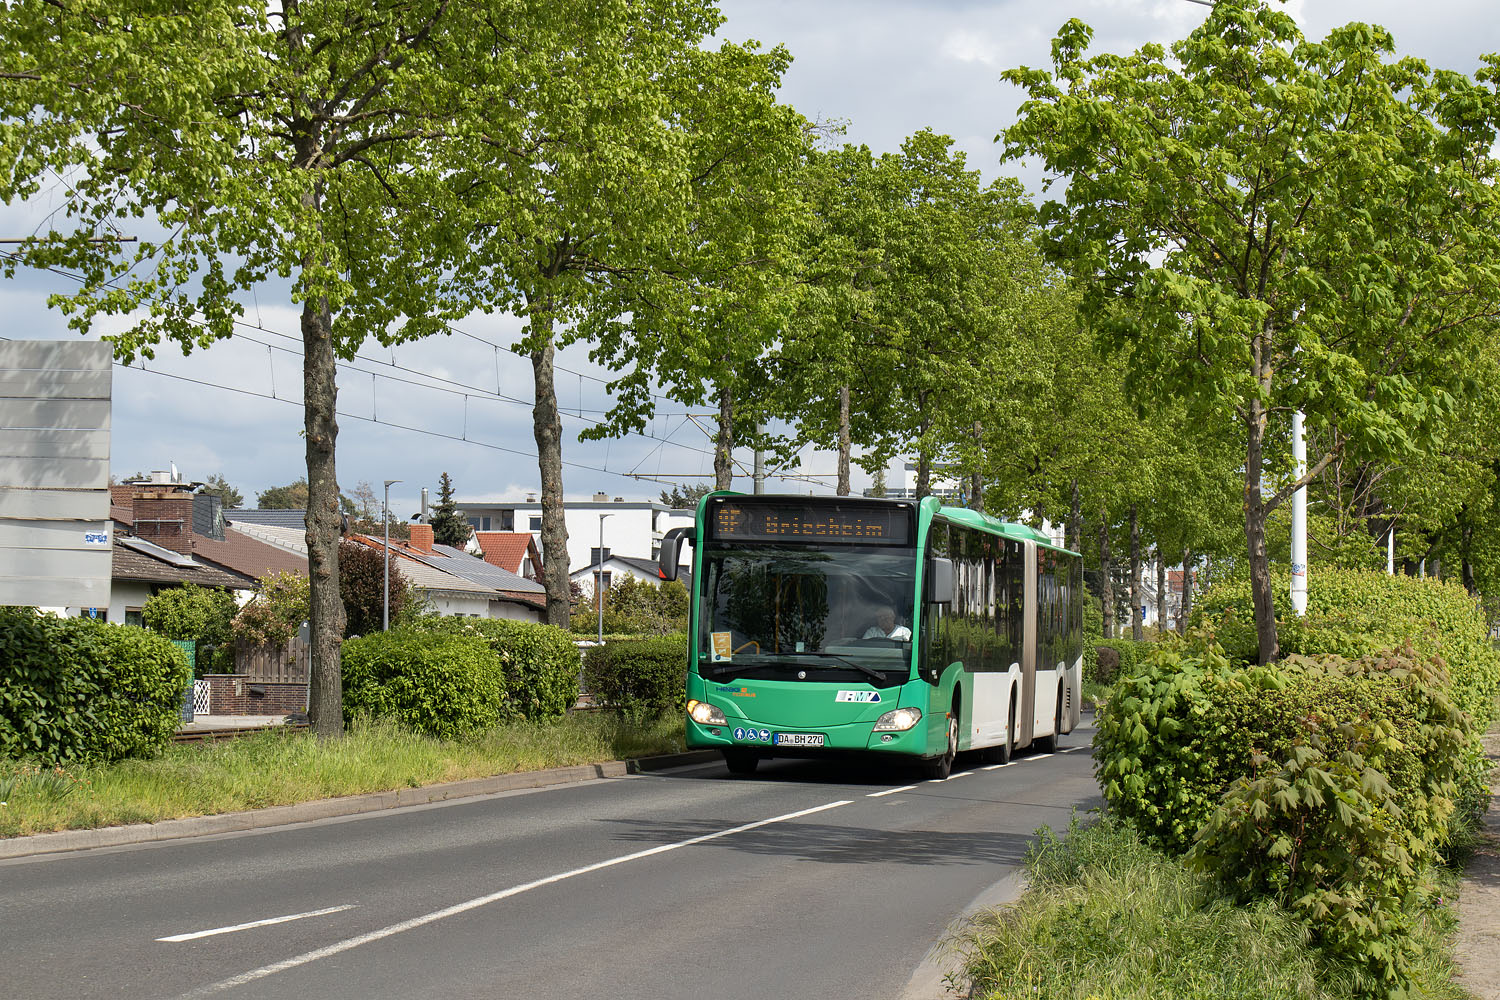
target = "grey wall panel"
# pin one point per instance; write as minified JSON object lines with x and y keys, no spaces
{"x":54,"y":444}
{"x":57,"y":564}
{"x":54,"y":384}
{"x":54,"y":473}
{"x":61,"y":473}
{"x":79,"y":355}
{"x":44,"y":592}
{"x":83,"y":535}
{"x":82,"y":505}
{"x":87,"y":414}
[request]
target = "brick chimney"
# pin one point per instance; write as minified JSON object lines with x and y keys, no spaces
{"x":421,"y":537}
{"x":164,"y":517}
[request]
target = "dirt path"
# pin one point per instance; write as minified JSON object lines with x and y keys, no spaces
{"x":1478,"y":947}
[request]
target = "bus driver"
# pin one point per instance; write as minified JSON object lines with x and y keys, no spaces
{"x":885,"y":627}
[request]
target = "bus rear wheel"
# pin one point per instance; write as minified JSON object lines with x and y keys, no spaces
{"x":1048,"y":744}
{"x":741,"y":761}
{"x":939,"y":768}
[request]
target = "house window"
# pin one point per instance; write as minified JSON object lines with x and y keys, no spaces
{"x":479,"y":523}
{"x":507,"y":520}
{"x":536,"y":523}
{"x":594,"y":559}
{"x":133,"y":617}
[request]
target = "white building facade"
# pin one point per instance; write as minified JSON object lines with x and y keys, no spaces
{"x":630,"y":527}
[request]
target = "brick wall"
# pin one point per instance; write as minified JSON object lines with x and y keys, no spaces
{"x":165,"y":520}
{"x":230,"y":694}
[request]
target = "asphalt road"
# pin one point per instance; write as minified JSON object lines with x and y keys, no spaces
{"x":805,"y":880}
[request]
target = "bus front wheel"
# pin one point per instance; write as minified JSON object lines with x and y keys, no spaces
{"x":939,"y":768}
{"x":741,"y":761}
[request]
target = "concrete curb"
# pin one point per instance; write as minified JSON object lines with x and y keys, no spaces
{"x":349,"y":805}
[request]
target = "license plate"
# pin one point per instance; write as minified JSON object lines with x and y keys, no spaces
{"x":799,"y":739}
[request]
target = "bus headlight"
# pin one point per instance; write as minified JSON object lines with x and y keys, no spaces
{"x":898,"y":720}
{"x":705,"y":714}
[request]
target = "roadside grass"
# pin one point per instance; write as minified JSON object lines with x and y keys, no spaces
{"x":281,"y":767}
{"x":1107,"y":918}
{"x":1094,"y":694}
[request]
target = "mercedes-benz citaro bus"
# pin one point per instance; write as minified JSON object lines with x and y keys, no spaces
{"x":895,"y":629}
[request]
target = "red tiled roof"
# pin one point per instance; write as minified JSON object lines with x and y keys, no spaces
{"x":506,"y":549}
{"x":247,"y":555}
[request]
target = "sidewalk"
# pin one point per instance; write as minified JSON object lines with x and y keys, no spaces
{"x":1478,"y":947}
{"x":212,"y":723}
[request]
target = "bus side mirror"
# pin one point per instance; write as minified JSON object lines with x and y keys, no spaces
{"x":671,"y":546}
{"x":939,"y":580}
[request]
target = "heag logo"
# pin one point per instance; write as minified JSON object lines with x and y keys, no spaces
{"x":858,"y":697}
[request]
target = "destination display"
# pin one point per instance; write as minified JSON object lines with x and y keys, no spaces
{"x":787,"y":521}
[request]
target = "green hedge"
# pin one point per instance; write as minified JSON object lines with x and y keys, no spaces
{"x":197,"y":614}
{"x":72,"y":689}
{"x":1357,"y":613}
{"x":541,"y":662}
{"x":1327,"y":783}
{"x":1122,"y":659}
{"x":639,"y":678}
{"x":440,"y":685}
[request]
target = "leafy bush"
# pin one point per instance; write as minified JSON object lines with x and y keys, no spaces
{"x":639,"y":678}
{"x":75,"y":689}
{"x":1323,"y":782}
{"x":636,"y":607}
{"x":282,"y":602}
{"x":541,"y":663}
{"x":362,"y":588}
{"x":1357,"y":613}
{"x":439,"y":685}
{"x":190,"y":612}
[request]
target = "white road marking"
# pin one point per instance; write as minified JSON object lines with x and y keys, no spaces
{"x":1038,"y":756}
{"x":992,"y":767}
{"x":194,"y":935}
{"x":478,"y":901}
{"x":890,"y":791}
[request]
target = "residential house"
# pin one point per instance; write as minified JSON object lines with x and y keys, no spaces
{"x":513,"y":551}
{"x":634,"y":526}
{"x":618,"y":567}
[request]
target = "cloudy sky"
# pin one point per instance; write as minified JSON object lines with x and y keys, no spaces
{"x":461,"y":404}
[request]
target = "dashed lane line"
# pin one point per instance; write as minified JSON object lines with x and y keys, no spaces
{"x":195,"y":935}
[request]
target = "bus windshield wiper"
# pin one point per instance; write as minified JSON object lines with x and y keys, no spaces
{"x":844,"y":659}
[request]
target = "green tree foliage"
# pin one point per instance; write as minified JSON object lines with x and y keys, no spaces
{"x":448,"y":525}
{"x":1209,"y":220}
{"x":636,"y":607}
{"x":310,"y":142}
{"x":686,"y":497}
{"x":72,"y":689}
{"x":362,"y":579}
{"x":195,"y":613}
{"x":218,"y":486}
{"x":292,"y":496}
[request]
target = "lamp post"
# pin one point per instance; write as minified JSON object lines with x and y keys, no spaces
{"x":385,"y":614}
{"x":599,"y":578}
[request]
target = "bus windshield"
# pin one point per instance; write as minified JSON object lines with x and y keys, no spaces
{"x":840,"y":609}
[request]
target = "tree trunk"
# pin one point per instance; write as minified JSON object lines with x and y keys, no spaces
{"x":1467,"y":568}
{"x":844,"y":436}
{"x":976,"y":480}
{"x":1162,"y":627}
{"x":1106,"y":583}
{"x":1187,"y":591}
{"x":325,"y":693}
{"x":924,"y":464}
{"x":1135,"y":576}
{"x":546,"y":425}
{"x":724,"y":447}
{"x":1255,"y":536}
{"x":1073,"y":537}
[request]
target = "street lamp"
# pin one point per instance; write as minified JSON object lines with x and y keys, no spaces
{"x":385,"y":615}
{"x":599,"y":578}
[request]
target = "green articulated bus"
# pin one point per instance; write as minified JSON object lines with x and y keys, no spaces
{"x":836,"y":625}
